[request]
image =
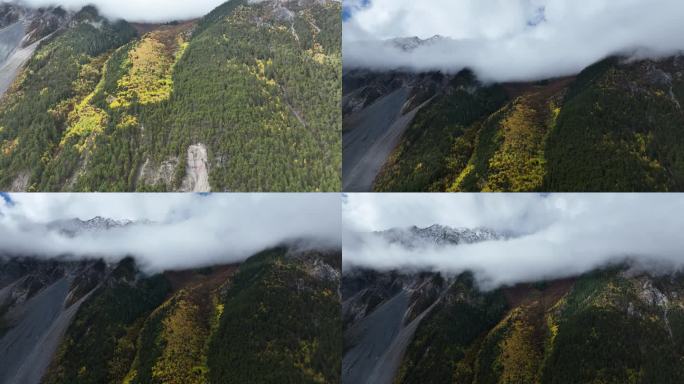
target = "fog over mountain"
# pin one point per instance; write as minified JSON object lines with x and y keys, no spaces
{"x":136,"y":10}
{"x":546,"y":236}
{"x":165,"y":231}
{"x":509,"y":40}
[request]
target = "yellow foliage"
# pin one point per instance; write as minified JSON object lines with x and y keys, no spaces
{"x":519,"y":163}
{"x":219,"y":311}
{"x":456,"y":186}
{"x":8,"y":146}
{"x":127,"y":121}
{"x":86,"y":121}
{"x":519,"y":358}
{"x":317,"y":54}
{"x":184,"y":343}
{"x":260,"y":72}
{"x":553,"y":328}
{"x":304,"y":355}
{"x":150,"y":67}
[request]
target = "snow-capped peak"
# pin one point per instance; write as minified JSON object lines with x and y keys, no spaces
{"x":76,"y":226}
{"x":411,"y":43}
{"x":438,"y":235}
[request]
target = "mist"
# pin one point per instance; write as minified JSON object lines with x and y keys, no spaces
{"x":509,"y":40}
{"x":149,"y":11}
{"x":174,"y":231}
{"x":552,"y":236}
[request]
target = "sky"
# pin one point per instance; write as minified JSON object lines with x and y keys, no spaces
{"x":177,"y":231}
{"x":510,"y":40}
{"x":553,"y":236}
{"x":138,"y":10}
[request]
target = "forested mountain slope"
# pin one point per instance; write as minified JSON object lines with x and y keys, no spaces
{"x":245,"y":99}
{"x":91,"y":322}
{"x":612,"y":325}
{"x":614,"y":127}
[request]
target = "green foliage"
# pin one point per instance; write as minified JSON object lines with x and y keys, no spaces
{"x":260,"y":91}
{"x":279,"y":325}
{"x":604,"y":329}
{"x":274,"y":321}
{"x":172,"y":343}
{"x":598,"y":342}
{"x":613,"y":138}
{"x":100,"y":344}
{"x":418,"y":164}
{"x":442,"y":341}
{"x":266,"y":102}
{"x":615,"y":127}
{"x":64,"y":70}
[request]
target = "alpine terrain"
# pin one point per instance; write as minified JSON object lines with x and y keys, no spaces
{"x":616,"y":324}
{"x":274,"y":318}
{"x":243,"y":99}
{"x":613,"y":127}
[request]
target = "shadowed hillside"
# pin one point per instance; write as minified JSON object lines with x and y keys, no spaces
{"x":92,"y":322}
{"x":613,"y":127}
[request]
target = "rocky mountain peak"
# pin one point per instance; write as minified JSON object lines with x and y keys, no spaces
{"x":438,"y":235}
{"x":73,"y":227}
{"x":411,"y":43}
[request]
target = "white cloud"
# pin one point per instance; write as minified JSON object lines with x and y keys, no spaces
{"x":138,"y":10}
{"x":559,"y":235}
{"x":188,"y":230}
{"x":510,"y":40}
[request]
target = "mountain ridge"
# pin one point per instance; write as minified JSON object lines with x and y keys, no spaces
{"x":115,"y":323}
{"x":474,"y":136}
{"x":161,"y":111}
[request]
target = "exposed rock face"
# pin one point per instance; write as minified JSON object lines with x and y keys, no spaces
{"x":21,"y":30}
{"x":422,"y":327}
{"x":10,"y":39}
{"x":411,"y":43}
{"x":197,"y":170}
{"x":378,"y":108}
{"x":163,"y":174}
{"x":20,"y":183}
{"x":37,"y":307}
{"x":74,"y":227}
{"x":381,"y":312}
{"x":438,"y":235}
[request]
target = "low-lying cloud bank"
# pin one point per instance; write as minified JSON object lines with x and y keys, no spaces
{"x":151,"y":11}
{"x":554,"y":236}
{"x":510,"y":40}
{"x":175,"y":231}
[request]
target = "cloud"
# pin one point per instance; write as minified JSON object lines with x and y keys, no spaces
{"x":511,"y":40}
{"x":559,"y":235}
{"x":138,"y":10}
{"x":186,"y":230}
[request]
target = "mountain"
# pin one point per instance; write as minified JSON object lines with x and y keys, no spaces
{"x":616,"y":324}
{"x":438,"y":235}
{"x":411,"y":43}
{"x":21,"y":30}
{"x":381,"y":311}
{"x":244,"y":99}
{"x":274,"y":318}
{"x":74,"y":227}
{"x":613,"y":127}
